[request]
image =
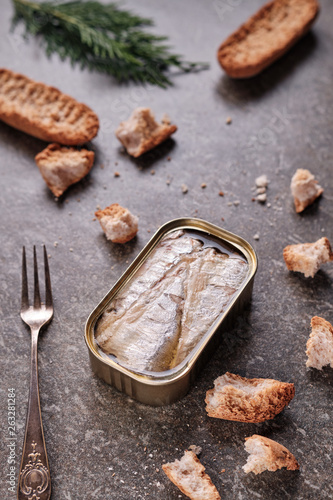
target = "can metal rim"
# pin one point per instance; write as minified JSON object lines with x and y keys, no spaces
{"x":165,"y":378}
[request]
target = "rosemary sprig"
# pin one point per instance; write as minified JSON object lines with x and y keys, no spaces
{"x":101,"y":37}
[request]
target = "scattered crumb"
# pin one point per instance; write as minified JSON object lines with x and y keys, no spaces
{"x":168,"y":182}
{"x":261,"y":190}
{"x":223,"y":470}
{"x":55,"y":244}
{"x":228,"y":120}
{"x":230,"y":204}
{"x":253,"y":199}
{"x":196,"y":449}
{"x":262,"y":181}
{"x":169,"y":158}
{"x":116,"y":174}
{"x":148,"y":230}
{"x":49,"y":256}
{"x":203,"y":185}
{"x":236,"y":203}
{"x":256,"y":236}
{"x":71,"y":249}
{"x":269,"y":205}
{"x":221,"y":193}
{"x":184,"y":188}
{"x":152,"y":172}
{"x":98,"y":207}
{"x":222,"y":219}
{"x":262,"y":197}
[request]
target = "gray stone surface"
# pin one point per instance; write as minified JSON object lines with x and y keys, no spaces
{"x":101,"y":444}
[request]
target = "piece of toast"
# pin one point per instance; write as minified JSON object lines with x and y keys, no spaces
{"x":247,"y":400}
{"x":118,"y":224}
{"x":188,"y":474}
{"x":266,"y":454}
{"x":266,"y":36}
{"x":141,"y":132}
{"x":44,"y":112}
{"x":307,"y":258}
{"x":319,"y":347}
{"x":61,"y":166}
{"x":305,"y":189}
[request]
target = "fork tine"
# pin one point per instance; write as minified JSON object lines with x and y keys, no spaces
{"x":24,"y":296}
{"x":48,"y":290}
{"x":37,"y":302}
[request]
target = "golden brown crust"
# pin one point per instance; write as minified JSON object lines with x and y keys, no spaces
{"x":277,"y":455}
{"x":248,"y":400}
{"x":44,"y":111}
{"x":266,"y":36}
{"x":306,"y":258}
{"x":190,"y":467}
{"x":61,"y":166}
{"x":319,"y":347}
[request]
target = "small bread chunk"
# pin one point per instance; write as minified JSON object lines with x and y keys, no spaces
{"x":61,"y":167}
{"x":118,"y":224}
{"x":247,"y":399}
{"x":305,"y":189}
{"x":188,"y":474}
{"x":266,"y":36}
{"x":44,"y":112}
{"x":141,"y":132}
{"x":307,"y":258}
{"x":319,"y":347}
{"x":266,"y":454}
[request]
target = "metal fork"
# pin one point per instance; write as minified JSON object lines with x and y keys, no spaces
{"x":34,"y":479}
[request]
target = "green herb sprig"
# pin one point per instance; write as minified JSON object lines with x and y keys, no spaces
{"x":101,"y":37}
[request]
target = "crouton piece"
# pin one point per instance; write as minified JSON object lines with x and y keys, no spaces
{"x":307,"y":258}
{"x":266,"y":454}
{"x":304,"y":188}
{"x":141,"y":132}
{"x":188,"y":474}
{"x":319,"y":347}
{"x":118,"y":223}
{"x":61,"y":167}
{"x":247,"y":400}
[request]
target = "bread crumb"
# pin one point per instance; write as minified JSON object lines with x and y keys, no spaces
{"x":169,"y":158}
{"x":307,"y":258}
{"x":262,"y":181}
{"x":203,"y":185}
{"x":184,"y":188}
{"x":221,"y":193}
{"x":152,"y":172}
{"x":118,"y":224}
{"x":228,"y":120}
{"x":262,"y":198}
{"x":305,"y":189}
{"x":236,"y":203}
{"x":116,"y":174}
{"x":256,"y":236}
{"x":140,"y":133}
{"x":266,"y":454}
{"x":241,"y":399}
{"x":188,"y":474}
{"x":319,"y":347}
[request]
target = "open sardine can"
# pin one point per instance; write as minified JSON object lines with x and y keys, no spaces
{"x":191,"y":273}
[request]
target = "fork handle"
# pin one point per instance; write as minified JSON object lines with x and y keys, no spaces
{"x":34,"y":479}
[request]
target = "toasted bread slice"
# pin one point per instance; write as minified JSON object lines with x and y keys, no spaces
{"x":61,"y":167}
{"x":307,"y":258}
{"x":44,"y":112}
{"x":319,"y":347}
{"x":266,"y":454}
{"x":188,"y":474}
{"x":305,"y":189}
{"x":141,"y":132}
{"x":118,"y":223}
{"x":266,"y":36}
{"x":247,"y":400}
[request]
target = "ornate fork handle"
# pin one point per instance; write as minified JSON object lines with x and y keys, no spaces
{"x":34,"y":478}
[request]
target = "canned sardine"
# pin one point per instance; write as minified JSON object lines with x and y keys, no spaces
{"x":153,"y":326}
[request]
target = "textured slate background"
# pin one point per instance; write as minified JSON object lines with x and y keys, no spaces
{"x":100,"y":443}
